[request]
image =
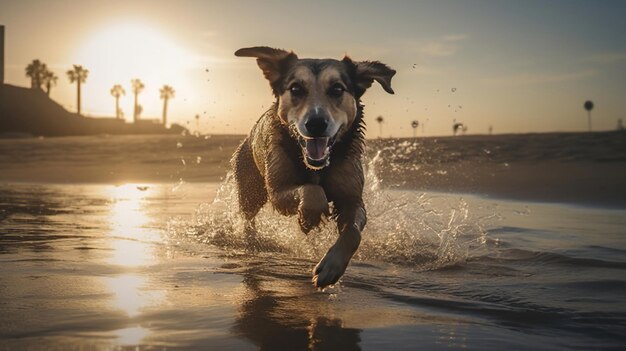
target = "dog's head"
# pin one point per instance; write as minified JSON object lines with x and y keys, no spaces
{"x":318,"y":97}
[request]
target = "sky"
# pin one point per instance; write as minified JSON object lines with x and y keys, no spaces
{"x":517,"y":66}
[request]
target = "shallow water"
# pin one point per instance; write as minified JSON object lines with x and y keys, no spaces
{"x":163,"y":267}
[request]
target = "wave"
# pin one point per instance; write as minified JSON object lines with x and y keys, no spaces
{"x":528,"y":257}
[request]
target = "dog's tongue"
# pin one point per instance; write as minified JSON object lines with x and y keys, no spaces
{"x":316,"y":148}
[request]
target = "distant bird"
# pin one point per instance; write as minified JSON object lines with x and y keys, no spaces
{"x":137,"y":86}
{"x":380,"y":120}
{"x":49,"y":79}
{"x":35,"y":71}
{"x":588,"y":106}
{"x":620,"y":125}
{"x":414,"y":125}
{"x":78,"y":75}
{"x":117,"y":91}
{"x":142,"y":187}
{"x":167,"y":93}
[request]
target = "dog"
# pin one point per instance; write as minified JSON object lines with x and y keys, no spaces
{"x":305,"y":151}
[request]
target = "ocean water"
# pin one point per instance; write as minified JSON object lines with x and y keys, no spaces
{"x":163,"y":266}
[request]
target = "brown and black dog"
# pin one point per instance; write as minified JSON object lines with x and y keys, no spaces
{"x":305,"y":151}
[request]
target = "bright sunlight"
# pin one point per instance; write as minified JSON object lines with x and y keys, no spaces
{"x":119,"y":52}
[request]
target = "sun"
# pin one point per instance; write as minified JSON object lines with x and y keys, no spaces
{"x":119,"y":52}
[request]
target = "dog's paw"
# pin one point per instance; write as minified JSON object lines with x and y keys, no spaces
{"x":331,"y":267}
{"x":313,"y":205}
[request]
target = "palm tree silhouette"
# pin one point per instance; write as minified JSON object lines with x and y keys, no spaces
{"x":116,"y":92}
{"x":79,"y":75}
{"x":35,"y":71}
{"x":138,"y":86}
{"x":49,"y":80}
{"x":167,"y":92}
{"x":380,"y":120}
{"x":414,"y":125}
{"x":588,"y":106}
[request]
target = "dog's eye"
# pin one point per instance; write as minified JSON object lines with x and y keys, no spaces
{"x":336,"y":90}
{"x":297,"y":90}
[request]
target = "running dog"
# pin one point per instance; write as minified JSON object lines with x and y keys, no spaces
{"x":305,"y":151}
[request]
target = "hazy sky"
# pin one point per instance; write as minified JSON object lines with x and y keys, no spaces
{"x":521,"y":66}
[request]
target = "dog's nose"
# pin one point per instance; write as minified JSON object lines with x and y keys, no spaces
{"x":316,"y":126}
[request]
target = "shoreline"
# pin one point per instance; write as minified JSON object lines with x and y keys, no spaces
{"x":493,"y":196}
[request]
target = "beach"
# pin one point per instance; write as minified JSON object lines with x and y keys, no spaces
{"x":133,"y":242}
{"x":577,"y":168}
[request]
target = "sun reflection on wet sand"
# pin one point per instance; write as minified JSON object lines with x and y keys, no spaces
{"x":131,"y":293}
{"x":131,"y":336}
{"x":132,"y":241}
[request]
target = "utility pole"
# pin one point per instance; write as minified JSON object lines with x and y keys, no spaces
{"x":1,"y":54}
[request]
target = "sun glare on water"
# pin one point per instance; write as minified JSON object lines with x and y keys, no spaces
{"x":131,"y":237}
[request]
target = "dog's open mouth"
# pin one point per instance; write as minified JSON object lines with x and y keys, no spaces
{"x":317,"y":151}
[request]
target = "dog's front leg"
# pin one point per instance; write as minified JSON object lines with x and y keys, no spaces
{"x":350,"y":223}
{"x":288,"y":197}
{"x":308,"y":201}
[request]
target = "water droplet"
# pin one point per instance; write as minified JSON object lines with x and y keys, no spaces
{"x":180,"y":183}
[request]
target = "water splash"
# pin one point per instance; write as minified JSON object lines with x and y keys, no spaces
{"x":416,"y":229}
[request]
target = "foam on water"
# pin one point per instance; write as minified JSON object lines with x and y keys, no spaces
{"x":426,"y":231}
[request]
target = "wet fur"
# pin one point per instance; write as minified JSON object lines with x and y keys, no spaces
{"x":269,"y":164}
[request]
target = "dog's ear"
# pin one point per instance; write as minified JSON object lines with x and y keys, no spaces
{"x":366,"y":72}
{"x":273,"y":62}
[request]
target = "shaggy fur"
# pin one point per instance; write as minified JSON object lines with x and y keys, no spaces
{"x":273,"y":162}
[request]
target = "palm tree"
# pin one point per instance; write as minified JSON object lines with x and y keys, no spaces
{"x":588,"y":106}
{"x":49,"y":80}
{"x":35,"y":71}
{"x":458,"y":127}
{"x":167,"y":92}
{"x":138,"y":86}
{"x":116,"y":92}
{"x":79,"y":75}
{"x":414,"y":125}
{"x":380,"y":120}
